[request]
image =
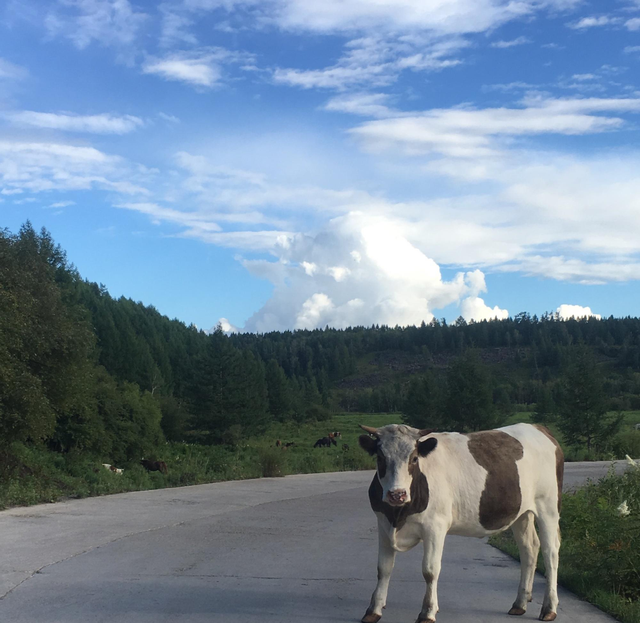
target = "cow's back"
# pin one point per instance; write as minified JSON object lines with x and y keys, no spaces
{"x":541,"y":468}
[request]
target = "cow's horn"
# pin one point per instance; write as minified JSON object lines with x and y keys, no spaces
{"x":370,"y":430}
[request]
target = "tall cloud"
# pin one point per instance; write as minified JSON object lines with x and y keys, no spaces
{"x":358,"y":271}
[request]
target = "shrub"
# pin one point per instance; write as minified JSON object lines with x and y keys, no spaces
{"x":271,"y":462}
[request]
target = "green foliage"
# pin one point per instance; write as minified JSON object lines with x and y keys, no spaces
{"x":582,"y":409}
{"x":545,"y":406}
{"x":423,"y":405}
{"x":45,"y":342}
{"x":469,"y":400}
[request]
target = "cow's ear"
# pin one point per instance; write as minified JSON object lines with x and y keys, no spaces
{"x":368,"y":443}
{"x":426,"y":446}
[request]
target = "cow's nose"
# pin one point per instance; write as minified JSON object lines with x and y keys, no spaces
{"x":397,"y":496}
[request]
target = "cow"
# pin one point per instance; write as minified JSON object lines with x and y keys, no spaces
{"x":325,"y":442}
{"x":335,"y":435}
{"x":113,"y":469}
{"x":154,"y":466}
{"x":637,"y":426}
{"x":289,"y":444}
{"x":278,"y":443}
{"x":428,"y":485}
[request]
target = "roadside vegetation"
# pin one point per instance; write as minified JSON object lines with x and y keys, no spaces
{"x":600,"y":551}
{"x":32,"y":474}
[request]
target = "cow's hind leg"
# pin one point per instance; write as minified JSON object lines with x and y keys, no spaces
{"x":524,"y":532}
{"x":549,"y":526}
{"x":386,"y":560}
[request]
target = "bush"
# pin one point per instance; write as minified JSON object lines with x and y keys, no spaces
{"x":271,"y":462}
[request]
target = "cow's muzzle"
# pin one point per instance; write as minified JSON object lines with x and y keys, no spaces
{"x":397,"y":497}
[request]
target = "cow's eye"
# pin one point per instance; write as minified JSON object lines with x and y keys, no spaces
{"x":415,"y":459}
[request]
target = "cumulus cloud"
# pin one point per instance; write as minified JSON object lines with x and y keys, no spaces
{"x":200,"y":68}
{"x":359,"y":271}
{"x":96,"y":124}
{"x":575,"y":311}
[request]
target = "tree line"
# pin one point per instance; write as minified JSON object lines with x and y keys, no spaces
{"x":83,"y":371}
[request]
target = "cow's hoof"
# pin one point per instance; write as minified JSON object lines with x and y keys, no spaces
{"x":548,"y":616}
{"x":517,"y":611}
{"x":419,"y":620}
{"x":371,"y":617}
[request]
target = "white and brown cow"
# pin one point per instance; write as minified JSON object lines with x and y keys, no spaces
{"x":428,"y":485}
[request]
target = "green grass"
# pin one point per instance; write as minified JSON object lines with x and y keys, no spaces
{"x":32,"y":475}
{"x":600,"y":552}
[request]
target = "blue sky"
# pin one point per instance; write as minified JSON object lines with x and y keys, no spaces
{"x":292,"y":164}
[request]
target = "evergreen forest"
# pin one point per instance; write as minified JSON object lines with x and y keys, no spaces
{"x":81,"y":371}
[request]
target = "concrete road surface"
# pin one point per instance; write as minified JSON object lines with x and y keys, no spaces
{"x":301,"y":548}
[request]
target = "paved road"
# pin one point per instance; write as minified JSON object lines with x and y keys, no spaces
{"x":301,"y":548}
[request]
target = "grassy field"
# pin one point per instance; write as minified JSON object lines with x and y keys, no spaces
{"x":31,"y":475}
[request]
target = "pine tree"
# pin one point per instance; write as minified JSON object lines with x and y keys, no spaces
{"x":469,"y":401}
{"x":422,"y":407}
{"x":582,"y":409}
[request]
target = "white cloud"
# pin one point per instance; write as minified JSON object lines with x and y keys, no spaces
{"x":633,"y":23}
{"x":96,"y":124}
{"x":591,"y":22}
{"x":511,"y":43}
{"x":374,"y":61}
{"x":472,"y":133}
{"x":10,"y":71}
{"x":37,"y":167}
{"x":575,"y":311}
{"x":365,"y":104}
{"x":583,"y":77}
{"x":474,"y":308}
{"x":62,"y":204}
{"x":630,"y":49}
{"x":113,"y":23}
{"x":225,"y":326}
{"x":385,"y":279}
{"x":199,"y":68}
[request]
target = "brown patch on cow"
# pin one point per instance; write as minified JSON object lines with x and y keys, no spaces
{"x":370,"y":617}
{"x":397,"y":515}
{"x":498,"y":452}
{"x":559,"y":460}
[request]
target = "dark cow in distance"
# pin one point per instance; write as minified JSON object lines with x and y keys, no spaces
{"x":155,"y":466}
{"x":428,"y":485}
{"x":325,"y":442}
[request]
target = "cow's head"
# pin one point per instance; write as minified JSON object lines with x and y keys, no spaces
{"x":398,"y":449}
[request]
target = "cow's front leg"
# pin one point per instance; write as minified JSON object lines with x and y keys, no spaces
{"x":431,"y":564}
{"x":386,"y":560}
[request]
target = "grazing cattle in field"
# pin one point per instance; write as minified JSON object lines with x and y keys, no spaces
{"x":154,"y":466}
{"x":428,"y":485}
{"x":345,"y":447}
{"x":637,"y":426}
{"x":278,"y":443}
{"x":335,"y":435}
{"x":289,"y":444}
{"x":113,"y":469}
{"x":325,"y":442}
